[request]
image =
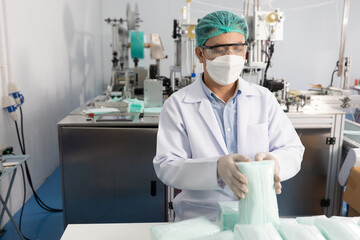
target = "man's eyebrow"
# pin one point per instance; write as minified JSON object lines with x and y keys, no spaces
{"x":219,"y":43}
{"x":224,"y":45}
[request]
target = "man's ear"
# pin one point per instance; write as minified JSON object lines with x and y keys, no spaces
{"x":200,"y":54}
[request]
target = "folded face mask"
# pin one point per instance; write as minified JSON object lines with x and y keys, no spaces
{"x":227,"y":215}
{"x":265,"y":231}
{"x":99,"y":111}
{"x":337,"y":229}
{"x":295,"y":231}
{"x":260,"y":203}
{"x":190,"y":229}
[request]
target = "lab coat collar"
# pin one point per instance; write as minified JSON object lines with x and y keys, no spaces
{"x":246,"y":88}
{"x":243,"y":112}
{"x":196,"y":94}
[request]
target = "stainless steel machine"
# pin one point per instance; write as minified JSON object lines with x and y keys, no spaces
{"x":125,"y":79}
{"x":315,"y":190}
{"x":185,"y":66}
{"x":107,"y":174}
{"x":265,"y":29}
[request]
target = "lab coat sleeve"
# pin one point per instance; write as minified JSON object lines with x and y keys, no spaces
{"x":284,"y":142}
{"x":173,"y":162}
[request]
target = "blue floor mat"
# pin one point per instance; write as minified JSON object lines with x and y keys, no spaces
{"x":36,"y":222}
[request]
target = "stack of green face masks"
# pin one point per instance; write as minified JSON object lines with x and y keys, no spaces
{"x":296,"y":231}
{"x":355,"y":220}
{"x":284,"y":221}
{"x":260,"y":204}
{"x":99,"y":111}
{"x":336,"y":229}
{"x":309,"y":220}
{"x":185,"y":230}
{"x":227,"y":215}
{"x":226,"y":235}
{"x":287,"y":220}
{"x":256,"y":231}
{"x":135,"y":105}
{"x":153,"y":110}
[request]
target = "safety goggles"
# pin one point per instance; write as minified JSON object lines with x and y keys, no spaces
{"x":224,"y":49}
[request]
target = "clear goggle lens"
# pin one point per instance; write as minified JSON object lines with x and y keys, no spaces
{"x":220,"y":50}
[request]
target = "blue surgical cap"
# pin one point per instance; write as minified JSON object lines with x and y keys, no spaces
{"x":216,"y":23}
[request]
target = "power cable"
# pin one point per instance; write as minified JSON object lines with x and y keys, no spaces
{"x":332,"y":75}
{"x":23,"y":205}
{"x":36,"y":197}
{"x":21,"y":140}
{"x":22,"y":146}
{"x":269,"y":56}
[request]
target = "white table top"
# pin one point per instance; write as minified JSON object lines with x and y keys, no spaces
{"x":133,"y":231}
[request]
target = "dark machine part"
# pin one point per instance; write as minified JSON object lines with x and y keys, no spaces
{"x":153,"y":71}
{"x":176,"y":33}
{"x":269,"y":55}
{"x":108,"y":20}
{"x":138,"y":90}
{"x":273,"y":85}
{"x":298,"y":101}
{"x":166,"y":83}
{"x":115,"y":60}
{"x":136,"y":61}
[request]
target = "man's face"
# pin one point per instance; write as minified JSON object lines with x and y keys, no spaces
{"x":222,"y":39}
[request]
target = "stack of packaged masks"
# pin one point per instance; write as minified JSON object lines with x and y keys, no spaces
{"x":257,"y":217}
{"x":258,"y":211}
{"x":260,"y":204}
{"x":227,"y":215}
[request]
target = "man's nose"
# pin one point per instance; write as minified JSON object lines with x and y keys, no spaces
{"x":229,"y":52}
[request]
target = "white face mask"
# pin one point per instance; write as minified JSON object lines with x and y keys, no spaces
{"x":225,"y":69}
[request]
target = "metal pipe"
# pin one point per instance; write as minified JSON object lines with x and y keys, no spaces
{"x":3,"y":54}
{"x":115,"y":40}
{"x":342,"y":44}
{"x":6,"y":37}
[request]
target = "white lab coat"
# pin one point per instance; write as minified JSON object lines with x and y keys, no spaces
{"x":189,"y":143}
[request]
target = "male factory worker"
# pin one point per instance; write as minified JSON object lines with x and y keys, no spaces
{"x":218,"y":120}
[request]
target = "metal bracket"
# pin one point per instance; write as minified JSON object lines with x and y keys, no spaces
{"x":345,"y":102}
{"x":330,"y":140}
{"x":325,"y":203}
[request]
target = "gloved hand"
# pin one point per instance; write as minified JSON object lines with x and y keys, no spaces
{"x":229,"y":173}
{"x":267,"y":156}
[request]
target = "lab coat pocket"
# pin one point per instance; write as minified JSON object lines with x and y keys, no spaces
{"x":257,"y":139}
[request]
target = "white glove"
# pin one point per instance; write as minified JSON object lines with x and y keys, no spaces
{"x":267,"y":156}
{"x":229,"y":173}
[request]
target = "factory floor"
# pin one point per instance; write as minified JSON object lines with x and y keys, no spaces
{"x":36,"y":222}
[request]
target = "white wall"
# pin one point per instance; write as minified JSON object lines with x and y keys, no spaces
{"x":56,"y":52}
{"x":311,"y":46}
{"x":307,"y":55}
